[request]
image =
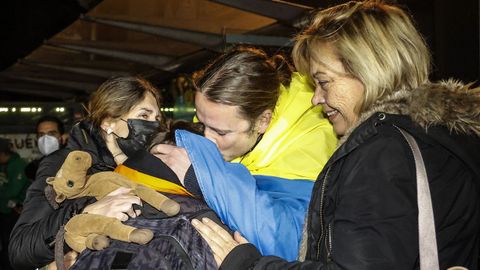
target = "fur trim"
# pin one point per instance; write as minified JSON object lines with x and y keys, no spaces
{"x":58,"y":250}
{"x":449,"y":103}
{"x":50,"y":194}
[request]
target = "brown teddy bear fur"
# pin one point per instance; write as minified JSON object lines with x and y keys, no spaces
{"x":90,"y":230}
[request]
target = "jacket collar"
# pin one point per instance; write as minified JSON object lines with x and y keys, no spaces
{"x":84,"y":136}
{"x":427,"y":110}
{"x":447,"y":103}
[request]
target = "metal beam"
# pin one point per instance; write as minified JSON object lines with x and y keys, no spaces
{"x":79,"y":86}
{"x":259,"y":40}
{"x":13,"y":88}
{"x":88,"y":4}
{"x":202,"y":56}
{"x":275,"y":10}
{"x":102,"y":73}
{"x":191,"y":59}
{"x":202,"y":39}
{"x":143,"y":58}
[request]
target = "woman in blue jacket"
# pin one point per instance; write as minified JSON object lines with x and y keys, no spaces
{"x":263,"y":149}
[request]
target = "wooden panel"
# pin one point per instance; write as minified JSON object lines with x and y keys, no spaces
{"x":199,"y":15}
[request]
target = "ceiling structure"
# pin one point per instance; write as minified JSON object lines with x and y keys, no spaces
{"x":71,"y":46}
{"x":156,"y":39}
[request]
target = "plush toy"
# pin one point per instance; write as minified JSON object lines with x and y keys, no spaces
{"x":90,"y":230}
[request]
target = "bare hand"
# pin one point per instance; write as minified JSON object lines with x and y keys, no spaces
{"x":219,"y":240}
{"x":69,"y":259}
{"x":117,"y":204}
{"x":174,"y":157}
{"x":114,"y":149}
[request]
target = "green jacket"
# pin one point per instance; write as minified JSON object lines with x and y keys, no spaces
{"x":14,"y":184}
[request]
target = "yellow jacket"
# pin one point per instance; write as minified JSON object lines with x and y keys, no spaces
{"x":299,"y":140}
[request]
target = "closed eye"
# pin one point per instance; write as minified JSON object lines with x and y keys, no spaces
{"x":218,"y":131}
{"x":323,"y":84}
{"x":221,"y":133}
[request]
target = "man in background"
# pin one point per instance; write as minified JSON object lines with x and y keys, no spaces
{"x":50,"y":137}
{"x":13,"y":186}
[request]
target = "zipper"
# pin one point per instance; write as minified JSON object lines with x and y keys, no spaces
{"x":322,"y":212}
{"x":181,"y":252}
{"x":329,"y":247}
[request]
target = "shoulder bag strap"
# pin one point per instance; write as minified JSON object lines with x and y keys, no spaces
{"x":426,"y":225}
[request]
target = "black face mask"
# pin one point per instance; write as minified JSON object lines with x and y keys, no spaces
{"x":140,"y":135}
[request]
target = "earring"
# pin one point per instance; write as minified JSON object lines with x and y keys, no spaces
{"x":109,"y":130}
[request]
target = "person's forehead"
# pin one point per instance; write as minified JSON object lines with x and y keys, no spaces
{"x":148,"y":102}
{"x":217,"y":115}
{"x":47,"y":126}
{"x":325,"y":59}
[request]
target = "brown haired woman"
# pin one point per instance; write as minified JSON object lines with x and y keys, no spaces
{"x":123,"y":115}
{"x":257,"y":114}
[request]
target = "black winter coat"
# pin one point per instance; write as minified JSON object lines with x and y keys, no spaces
{"x":363,"y":212}
{"x":32,"y":239}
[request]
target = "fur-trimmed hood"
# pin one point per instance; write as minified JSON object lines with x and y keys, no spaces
{"x":446,"y":103}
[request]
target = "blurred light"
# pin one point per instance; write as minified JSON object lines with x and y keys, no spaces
{"x":14,"y":109}
{"x":3,"y":109}
{"x":25,"y":109}
{"x":34,"y":109}
{"x":167,"y":109}
{"x":39,"y":109}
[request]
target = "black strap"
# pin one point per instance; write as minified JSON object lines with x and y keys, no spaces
{"x":121,"y":260}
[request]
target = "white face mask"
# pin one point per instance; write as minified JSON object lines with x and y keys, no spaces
{"x":47,"y":144}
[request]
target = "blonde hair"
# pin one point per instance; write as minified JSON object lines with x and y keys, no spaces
{"x":117,"y":96}
{"x":377,"y":44}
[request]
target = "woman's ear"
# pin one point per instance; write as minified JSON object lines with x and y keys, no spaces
{"x":108,"y":125}
{"x":264,"y":121}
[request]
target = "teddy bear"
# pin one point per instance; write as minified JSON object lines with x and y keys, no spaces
{"x":90,"y":230}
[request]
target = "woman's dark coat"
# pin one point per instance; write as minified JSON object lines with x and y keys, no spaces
{"x":32,"y":239}
{"x":363,"y":212}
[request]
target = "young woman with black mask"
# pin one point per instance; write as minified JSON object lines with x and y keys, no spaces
{"x":123,"y":116}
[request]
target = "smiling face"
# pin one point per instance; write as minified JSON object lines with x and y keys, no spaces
{"x":339,"y":94}
{"x":226,"y":128}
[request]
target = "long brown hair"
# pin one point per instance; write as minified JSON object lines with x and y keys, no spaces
{"x":117,"y":96}
{"x":244,"y":77}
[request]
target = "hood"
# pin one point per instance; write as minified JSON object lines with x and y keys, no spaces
{"x":446,"y":103}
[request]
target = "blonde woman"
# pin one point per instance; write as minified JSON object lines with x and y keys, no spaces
{"x":370,"y":67}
